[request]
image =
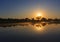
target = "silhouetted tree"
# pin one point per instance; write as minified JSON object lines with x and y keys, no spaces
{"x":27,"y":19}
{"x":38,"y":18}
{"x":32,"y":19}
{"x":56,"y":19}
{"x":49,"y":19}
{"x":43,"y":19}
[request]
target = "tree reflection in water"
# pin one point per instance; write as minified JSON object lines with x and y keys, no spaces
{"x":40,"y":24}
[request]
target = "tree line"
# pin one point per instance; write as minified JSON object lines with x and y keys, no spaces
{"x":38,"y":19}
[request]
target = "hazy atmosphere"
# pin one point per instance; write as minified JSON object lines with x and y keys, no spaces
{"x":29,"y":8}
{"x":29,"y":20}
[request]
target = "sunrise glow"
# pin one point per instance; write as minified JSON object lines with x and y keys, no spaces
{"x":39,"y":14}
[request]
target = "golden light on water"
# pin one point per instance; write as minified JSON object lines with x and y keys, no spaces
{"x":38,"y":28}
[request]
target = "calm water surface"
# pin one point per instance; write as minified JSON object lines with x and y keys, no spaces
{"x":30,"y":32}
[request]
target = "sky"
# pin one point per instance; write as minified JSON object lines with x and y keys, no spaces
{"x":29,"y":8}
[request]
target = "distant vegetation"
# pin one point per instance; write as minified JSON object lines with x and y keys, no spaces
{"x":38,"y":19}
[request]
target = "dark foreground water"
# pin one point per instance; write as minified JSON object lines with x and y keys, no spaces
{"x":30,"y":32}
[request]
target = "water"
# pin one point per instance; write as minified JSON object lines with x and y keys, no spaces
{"x":30,"y":32}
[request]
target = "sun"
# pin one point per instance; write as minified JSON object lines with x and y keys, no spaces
{"x":39,"y":14}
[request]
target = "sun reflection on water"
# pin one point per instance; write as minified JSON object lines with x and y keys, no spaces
{"x":39,"y":27}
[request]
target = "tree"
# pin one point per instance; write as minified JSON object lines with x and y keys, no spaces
{"x":32,"y":19}
{"x":38,"y":18}
{"x":43,"y":19}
